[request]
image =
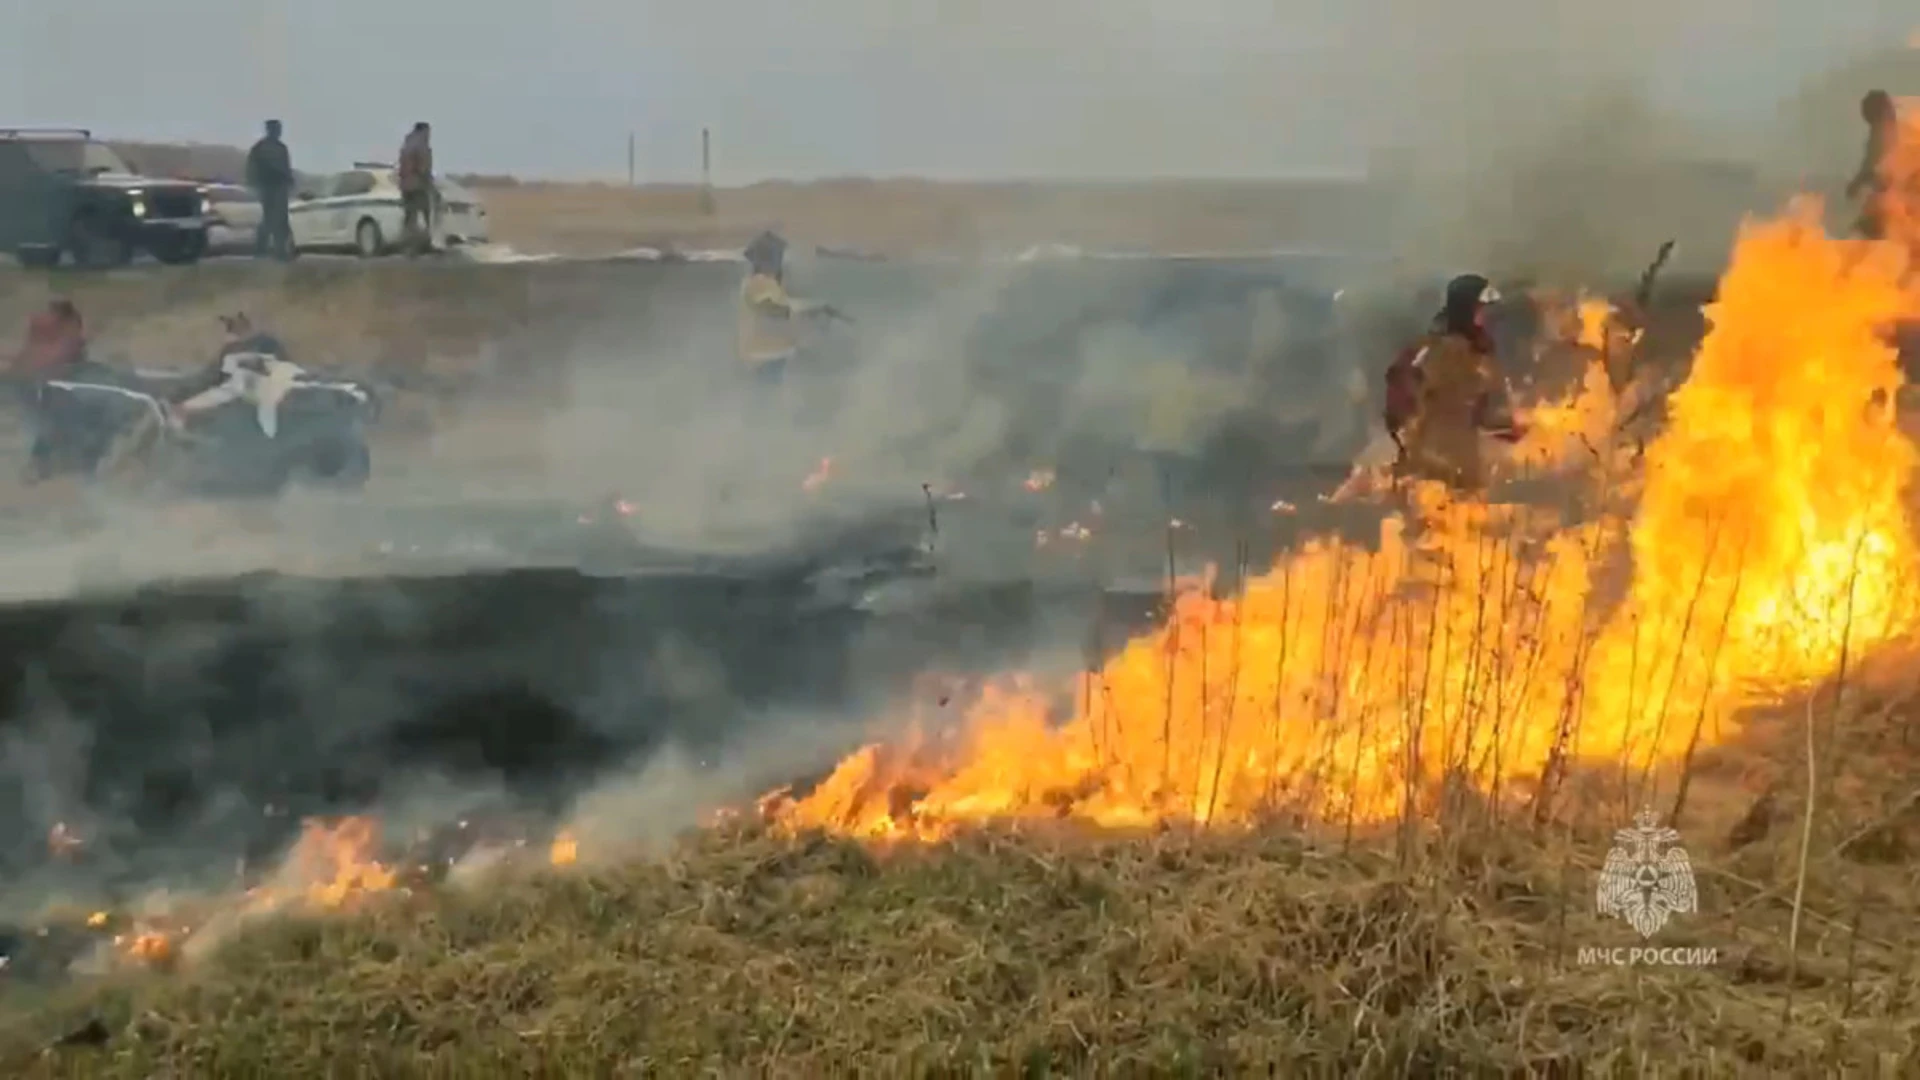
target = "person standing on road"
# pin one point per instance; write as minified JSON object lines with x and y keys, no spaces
{"x":1867,"y":185}
{"x":270,"y":175}
{"x":416,"y":189}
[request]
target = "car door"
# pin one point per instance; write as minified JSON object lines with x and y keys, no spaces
{"x":307,"y":215}
{"x":349,"y":198}
{"x":236,"y":216}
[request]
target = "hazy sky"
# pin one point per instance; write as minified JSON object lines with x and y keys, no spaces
{"x":930,"y":87}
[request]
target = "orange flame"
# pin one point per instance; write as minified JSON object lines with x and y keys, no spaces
{"x":565,"y":849}
{"x":1770,"y":538}
{"x":152,"y":947}
{"x":332,"y":864}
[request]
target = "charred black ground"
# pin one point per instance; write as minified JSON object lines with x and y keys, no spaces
{"x":196,"y":722}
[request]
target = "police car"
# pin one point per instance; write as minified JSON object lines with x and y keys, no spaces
{"x":360,"y":211}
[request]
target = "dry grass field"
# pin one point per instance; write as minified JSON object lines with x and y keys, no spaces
{"x":893,"y":217}
{"x":903,"y":217}
{"x":1554,"y":217}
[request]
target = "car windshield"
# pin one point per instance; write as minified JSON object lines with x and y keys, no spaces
{"x":76,"y":156}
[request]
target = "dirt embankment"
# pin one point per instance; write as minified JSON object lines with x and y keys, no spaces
{"x":393,"y":317}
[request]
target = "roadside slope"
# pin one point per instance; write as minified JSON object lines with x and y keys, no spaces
{"x":1176,"y":954}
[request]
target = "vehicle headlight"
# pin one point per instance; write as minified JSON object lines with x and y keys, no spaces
{"x":139,"y":207}
{"x":206,"y":206}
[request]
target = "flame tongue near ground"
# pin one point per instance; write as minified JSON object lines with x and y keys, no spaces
{"x":1769,"y":539}
{"x":332,"y":866}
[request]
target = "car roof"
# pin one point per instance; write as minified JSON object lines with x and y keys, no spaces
{"x":47,"y":134}
{"x":383,"y":178}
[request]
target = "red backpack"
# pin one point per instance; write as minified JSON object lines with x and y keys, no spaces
{"x":1403,"y":387}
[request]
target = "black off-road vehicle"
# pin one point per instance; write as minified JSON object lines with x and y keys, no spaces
{"x":64,"y":193}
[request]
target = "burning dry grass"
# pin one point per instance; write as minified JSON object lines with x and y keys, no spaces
{"x":1769,"y":542}
{"x":1176,"y":953}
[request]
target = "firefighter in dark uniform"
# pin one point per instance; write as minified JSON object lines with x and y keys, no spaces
{"x":1868,"y":186}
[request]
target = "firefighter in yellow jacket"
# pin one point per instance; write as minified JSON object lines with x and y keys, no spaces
{"x":768,"y":328}
{"x":1451,"y":394}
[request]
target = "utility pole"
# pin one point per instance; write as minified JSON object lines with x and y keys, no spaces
{"x":629,"y":159}
{"x":706,"y":172}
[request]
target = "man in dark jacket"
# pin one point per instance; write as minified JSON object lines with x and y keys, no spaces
{"x":270,"y":175}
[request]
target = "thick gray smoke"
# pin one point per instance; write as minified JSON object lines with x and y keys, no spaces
{"x":1567,"y":141}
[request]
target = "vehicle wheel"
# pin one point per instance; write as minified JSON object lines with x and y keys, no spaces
{"x":96,"y":248}
{"x":180,"y":250}
{"x":38,"y":258}
{"x":367,"y":239}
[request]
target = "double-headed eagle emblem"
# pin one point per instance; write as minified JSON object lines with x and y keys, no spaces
{"x":1644,"y":885}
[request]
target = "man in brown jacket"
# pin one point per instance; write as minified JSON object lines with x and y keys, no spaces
{"x":416,"y":189}
{"x":1450,"y":393}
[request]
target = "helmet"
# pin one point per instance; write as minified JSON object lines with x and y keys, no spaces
{"x":767,"y":249}
{"x":1470,"y":291}
{"x":1466,"y":296}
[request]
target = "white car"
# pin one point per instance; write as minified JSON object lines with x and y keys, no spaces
{"x":359,"y":210}
{"x":235,"y":218}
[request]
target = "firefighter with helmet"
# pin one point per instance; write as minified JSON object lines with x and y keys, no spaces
{"x":768,"y":337}
{"x":1444,"y":393}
